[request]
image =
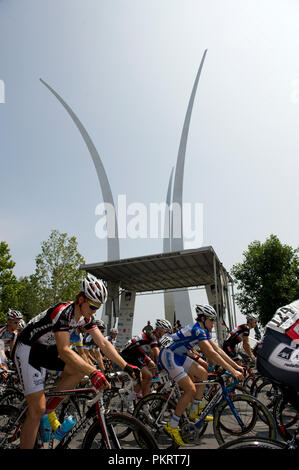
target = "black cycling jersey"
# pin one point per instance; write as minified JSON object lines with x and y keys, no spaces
{"x":237,"y":335}
{"x":137,"y":349}
{"x":61,"y":317}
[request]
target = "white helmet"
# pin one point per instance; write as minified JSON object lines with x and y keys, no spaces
{"x":22,"y":325}
{"x":94,"y":289}
{"x":114,"y":330}
{"x":251,"y":316}
{"x":14,"y":315}
{"x":100,"y":324}
{"x":206,"y":310}
{"x":164,"y":325}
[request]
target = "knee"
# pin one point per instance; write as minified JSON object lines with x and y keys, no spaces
{"x":36,"y":411}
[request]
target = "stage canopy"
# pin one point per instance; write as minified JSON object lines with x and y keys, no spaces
{"x":174,"y":270}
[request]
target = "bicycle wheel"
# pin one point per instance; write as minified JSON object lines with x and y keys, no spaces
{"x":256,"y":419}
{"x":9,"y":432}
{"x":285,"y":416}
{"x":253,"y":443}
{"x":155,"y":411}
{"x":12,"y":397}
{"x":267,"y":393}
{"x":116,"y":423}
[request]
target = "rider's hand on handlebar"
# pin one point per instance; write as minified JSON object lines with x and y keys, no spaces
{"x":99,"y":380}
{"x":133,"y":371}
{"x":238,"y":375}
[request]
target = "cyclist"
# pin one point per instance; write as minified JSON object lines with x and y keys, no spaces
{"x":143,"y":352}
{"x":9,"y":332}
{"x":93,"y":349}
{"x":184,"y":370}
{"x":112,"y":336}
{"x":238,"y":335}
{"x":278,"y":352}
{"x":45,"y":344}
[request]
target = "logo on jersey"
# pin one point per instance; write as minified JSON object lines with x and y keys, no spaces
{"x":285,"y":353}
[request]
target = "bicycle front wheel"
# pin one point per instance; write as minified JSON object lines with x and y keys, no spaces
{"x":116,"y":424}
{"x":256,"y":419}
{"x":253,"y":443}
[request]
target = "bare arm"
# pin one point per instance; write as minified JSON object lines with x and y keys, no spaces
{"x":225,"y":356}
{"x":217,"y":359}
{"x":107,"y":348}
{"x":247,"y":347}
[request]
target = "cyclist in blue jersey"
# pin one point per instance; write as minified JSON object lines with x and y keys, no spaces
{"x":184,"y":370}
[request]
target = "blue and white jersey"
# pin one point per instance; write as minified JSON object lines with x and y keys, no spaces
{"x":185,"y":339}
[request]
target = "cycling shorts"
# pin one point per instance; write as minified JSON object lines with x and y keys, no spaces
{"x":32,"y":363}
{"x":177,"y":366}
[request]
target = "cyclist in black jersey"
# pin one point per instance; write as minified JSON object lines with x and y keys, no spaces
{"x":143,"y":352}
{"x":238,"y":335}
{"x":45,"y":344}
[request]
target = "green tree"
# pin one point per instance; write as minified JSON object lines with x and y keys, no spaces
{"x":267,"y":278}
{"x":8,"y":282}
{"x":57,"y":276}
{"x":29,"y":302}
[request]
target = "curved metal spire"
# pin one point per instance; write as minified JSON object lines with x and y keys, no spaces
{"x":113,"y":251}
{"x":181,"y":298}
{"x":178,"y":243}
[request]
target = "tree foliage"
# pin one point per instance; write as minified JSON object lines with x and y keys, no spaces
{"x":8,"y":282}
{"x":57,"y":276}
{"x":267,"y":278}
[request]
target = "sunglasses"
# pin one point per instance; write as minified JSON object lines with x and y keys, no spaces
{"x":92,"y":306}
{"x":211,"y":319}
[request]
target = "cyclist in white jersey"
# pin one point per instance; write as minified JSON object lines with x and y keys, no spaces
{"x":181,"y":368}
{"x":278,"y":352}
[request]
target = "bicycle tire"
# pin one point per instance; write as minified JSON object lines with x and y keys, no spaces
{"x":148,"y":410}
{"x":94,"y":435}
{"x":285,"y":417}
{"x":267,"y":392}
{"x":12,"y":397}
{"x":250,"y":410}
{"x":9,"y":435}
{"x":253,"y":443}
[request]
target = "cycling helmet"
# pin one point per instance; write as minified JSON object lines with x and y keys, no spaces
{"x":14,"y":315}
{"x":21,"y":325}
{"x":164,"y":325}
{"x":114,"y":330}
{"x":100,"y":324}
{"x":206,"y":310}
{"x":94,"y":289}
{"x":251,"y":316}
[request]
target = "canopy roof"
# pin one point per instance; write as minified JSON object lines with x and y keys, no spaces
{"x":174,"y":270}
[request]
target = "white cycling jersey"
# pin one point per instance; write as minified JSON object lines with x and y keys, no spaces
{"x":286,"y":320}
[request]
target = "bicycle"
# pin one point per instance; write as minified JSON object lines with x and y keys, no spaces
{"x":100,"y":429}
{"x":234,"y":414}
{"x":251,"y":443}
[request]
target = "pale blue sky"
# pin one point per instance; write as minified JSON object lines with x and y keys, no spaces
{"x":127,"y":68}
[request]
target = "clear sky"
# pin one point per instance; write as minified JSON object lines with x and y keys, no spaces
{"x":127,"y":67}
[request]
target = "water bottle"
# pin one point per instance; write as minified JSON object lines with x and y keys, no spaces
{"x":45,"y":429}
{"x":64,"y":428}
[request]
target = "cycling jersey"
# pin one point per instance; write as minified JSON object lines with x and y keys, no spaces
{"x":278,"y":352}
{"x":138,"y":349}
{"x":286,"y":320}
{"x":186,"y":338}
{"x":61,"y":317}
{"x":173,"y":355}
{"x":76,"y":339}
{"x":237,"y":335}
{"x":7,"y":337}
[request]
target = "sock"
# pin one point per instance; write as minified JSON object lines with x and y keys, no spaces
{"x":174,"y":422}
{"x":195,"y":405}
